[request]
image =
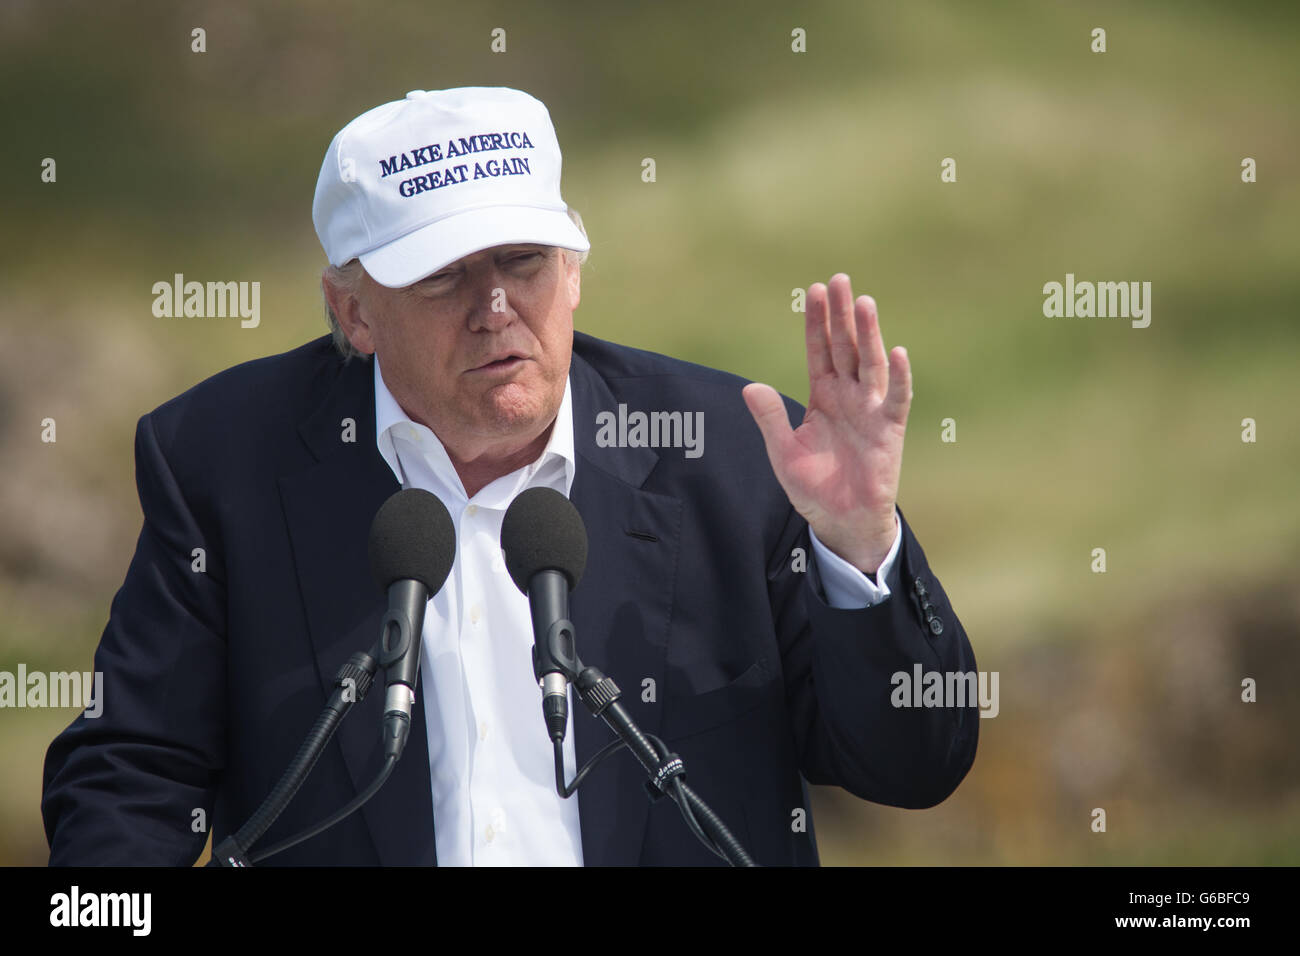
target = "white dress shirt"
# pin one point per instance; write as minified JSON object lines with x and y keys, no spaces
{"x":491,"y":766}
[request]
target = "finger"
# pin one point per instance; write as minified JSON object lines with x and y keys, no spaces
{"x":816,"y":337}
{"x":873,"y":364}
{"x":765,"y":404}
{"x":844,"y":336}
{"x":898,"y":400}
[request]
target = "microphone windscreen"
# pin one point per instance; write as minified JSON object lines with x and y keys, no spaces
{"x":412,"y":536}
{"x":542,"y":530}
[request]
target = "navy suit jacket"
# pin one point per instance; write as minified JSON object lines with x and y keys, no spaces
{"x":212,"y":677}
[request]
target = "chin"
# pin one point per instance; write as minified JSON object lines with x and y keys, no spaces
{"x":512,"y":408}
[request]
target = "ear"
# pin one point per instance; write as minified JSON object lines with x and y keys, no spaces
{"x":572,"y":276}
{"x":346,"y":306}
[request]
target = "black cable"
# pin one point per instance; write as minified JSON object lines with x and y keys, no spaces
{"x":568,"y":790}
{"x":737,"y":855}
{"x":601,"y":694}
{"x":662,"y":752}
{"x":690,"y":803}
{"x":678,"y":796}
{"x":351,"y":808}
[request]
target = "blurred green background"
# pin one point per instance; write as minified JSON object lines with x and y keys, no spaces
{"x":775,"y":169}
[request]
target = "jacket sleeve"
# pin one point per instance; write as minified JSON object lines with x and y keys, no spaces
{"x":124,"y":788}
{"x":839,"y":667}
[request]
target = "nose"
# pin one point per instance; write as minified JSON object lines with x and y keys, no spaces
{"x":490,"y":307}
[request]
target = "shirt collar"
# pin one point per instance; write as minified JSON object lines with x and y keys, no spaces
{"x":392,"y":422}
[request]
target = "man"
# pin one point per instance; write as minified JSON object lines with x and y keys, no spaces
{"x":752,"y":595}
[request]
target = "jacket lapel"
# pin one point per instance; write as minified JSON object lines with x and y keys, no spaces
{"x":329,"y":508}
{"x":621,"y":611}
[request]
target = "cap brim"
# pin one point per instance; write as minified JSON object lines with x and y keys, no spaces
{"x":426,"y":250}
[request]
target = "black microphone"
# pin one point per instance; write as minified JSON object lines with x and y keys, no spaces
{"x":412,"y":547}
{"x":545,"y":545}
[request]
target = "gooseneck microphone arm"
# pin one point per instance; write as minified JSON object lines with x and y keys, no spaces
{"x":545,"y":547}
{"x":412,"y":547}
{"x":665,"y":769}
{"x":351,"y":684}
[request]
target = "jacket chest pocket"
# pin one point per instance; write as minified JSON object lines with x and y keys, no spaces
{"x":689,"y":715}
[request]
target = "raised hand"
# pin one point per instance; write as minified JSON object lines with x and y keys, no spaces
{"x":840,"y":467}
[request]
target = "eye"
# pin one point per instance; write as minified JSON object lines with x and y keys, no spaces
{"x":433,"y":287}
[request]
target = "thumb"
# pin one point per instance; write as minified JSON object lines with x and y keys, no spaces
{"x":765,"y":404}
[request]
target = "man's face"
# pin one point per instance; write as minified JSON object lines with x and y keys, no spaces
{"x":479,"y":351}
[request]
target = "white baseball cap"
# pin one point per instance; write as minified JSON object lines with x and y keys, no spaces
{"x":413,"y":185}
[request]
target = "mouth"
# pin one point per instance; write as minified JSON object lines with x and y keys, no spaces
{"x":508,"y":362}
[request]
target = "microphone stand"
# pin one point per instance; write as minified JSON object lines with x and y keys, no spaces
{"x":665,"y":770}
{"x":555,"y":663}
{"x":351,"y":684}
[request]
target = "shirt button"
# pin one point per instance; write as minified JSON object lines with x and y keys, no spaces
{"x":472,"y":510}
{"x":482,"y":730}
{"x":489,"y":834}
{"x":474,"y":614}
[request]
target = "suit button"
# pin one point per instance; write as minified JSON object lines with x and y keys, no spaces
{"x":936,"y":626}
{"x":920,"y":587}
